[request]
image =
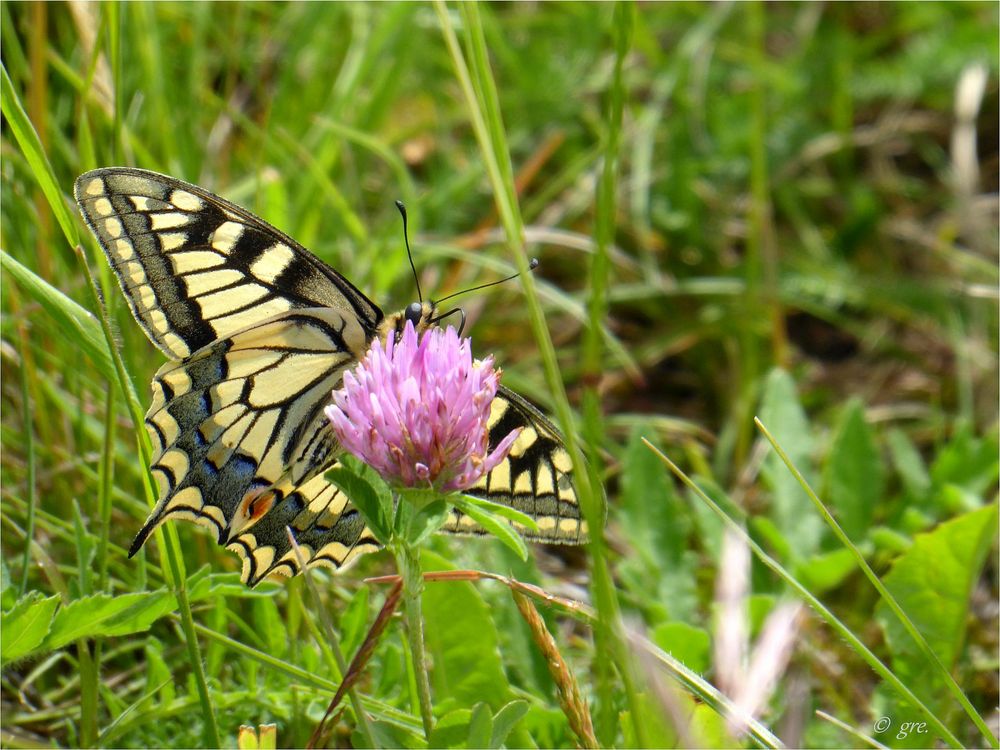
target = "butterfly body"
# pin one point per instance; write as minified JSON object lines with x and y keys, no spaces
{"x":258,"y":332}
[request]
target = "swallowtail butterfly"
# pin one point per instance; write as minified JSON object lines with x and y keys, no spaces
{"x":258,"y":332}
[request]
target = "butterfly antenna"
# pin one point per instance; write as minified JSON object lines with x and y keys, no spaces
{"x":531,"y":267}
{"x":406,"y":239}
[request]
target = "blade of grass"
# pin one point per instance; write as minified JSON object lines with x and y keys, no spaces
{"x":104,"y":488}
{"x":860,"y":648}
{"x":114,"y":24}
{"x":89,"y":679}
{"x":883,"y":592}
{"x":32,"y":149}
{"x":29,"y":451}
{"x":762,"y":258}
{"x":593,"y":355}
{"x":75,"y":322}
{"x":851,"y":730}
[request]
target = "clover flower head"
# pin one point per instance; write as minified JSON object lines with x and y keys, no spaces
{"x":417,"y":410}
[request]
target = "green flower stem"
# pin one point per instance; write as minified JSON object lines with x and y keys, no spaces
{"x":408,"y":563}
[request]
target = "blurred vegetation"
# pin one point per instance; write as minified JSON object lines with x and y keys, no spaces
{"x":804,"y":229}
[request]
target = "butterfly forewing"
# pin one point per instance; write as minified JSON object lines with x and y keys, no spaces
{"x":195,"y":268}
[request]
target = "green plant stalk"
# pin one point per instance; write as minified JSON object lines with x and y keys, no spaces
{"x":29,"y":449}
{"x":104,"y":489}
{"x":761,"y":237}
{"x":408,"y":563}
{"x":883,"y":592}
{"x":168,"y":541}
{"x":88,"y":694}
{"x":114,"y":21}
{"x":493,"y":146}
{"x":860,"y":648}
{"x":758,"y":263}
{"x":592,"y":368}
{"x":104,"y":508}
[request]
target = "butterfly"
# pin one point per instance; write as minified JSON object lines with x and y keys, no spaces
{"x":258,"y":332}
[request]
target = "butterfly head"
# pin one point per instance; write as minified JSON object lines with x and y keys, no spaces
{"x":421,"y":314}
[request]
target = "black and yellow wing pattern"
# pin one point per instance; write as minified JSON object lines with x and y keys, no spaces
{"x":258,"y":332}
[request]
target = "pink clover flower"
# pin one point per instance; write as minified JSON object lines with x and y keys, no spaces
{"x":417,"y":411}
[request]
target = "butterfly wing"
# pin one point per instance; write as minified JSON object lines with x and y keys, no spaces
{"x":327,"y":528}
{"x":535,"y":478}
{"x":195,"y":268}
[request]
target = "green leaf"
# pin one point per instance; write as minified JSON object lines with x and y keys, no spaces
{"x":462,"y":640}
{"x":933,"y":583}
{"x":505,"y":721}
{"x":353,"y":620}
{"x":498,"y":509}
{"x":75,"y":323}
{"x":204,"y":584}
{"x":418,"y":497}
{"x":657,"y":524}
{"x":791,"y":509}
{"x":389,"y":734}
{"x":480,"y":726}
{"x":26,"y":625}
{"x":686,"y":643}
{"x":826,"y":570}
{"x":709,"y":726}
{"x":890,"y":540}
{"x":365,"y":499}
{"x":34,"y":153}
{"x":967,"y":461}
{"x":545,"y":726}
{"x":428,"y":518}
{"x":909,"y":464}
{"x":655,"y":722}
{"x":158,"y":675}
{"x":498,"y":527}
{"x":105,"y":615}
{"x":653,"y":517}
{"x":855,"y":479}
{"x":451,"y":730}
{"x":268,"y":625}
{"x":86,"y":548}
{"x":8,"y":593}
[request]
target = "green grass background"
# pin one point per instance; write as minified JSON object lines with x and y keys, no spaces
{"x":740,"y":210}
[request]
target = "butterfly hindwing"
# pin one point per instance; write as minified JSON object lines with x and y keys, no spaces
{"x":196,"y":268}
{"x":327,"y":528}
{"x":238,"y":425}
{"x":535,"y":478}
